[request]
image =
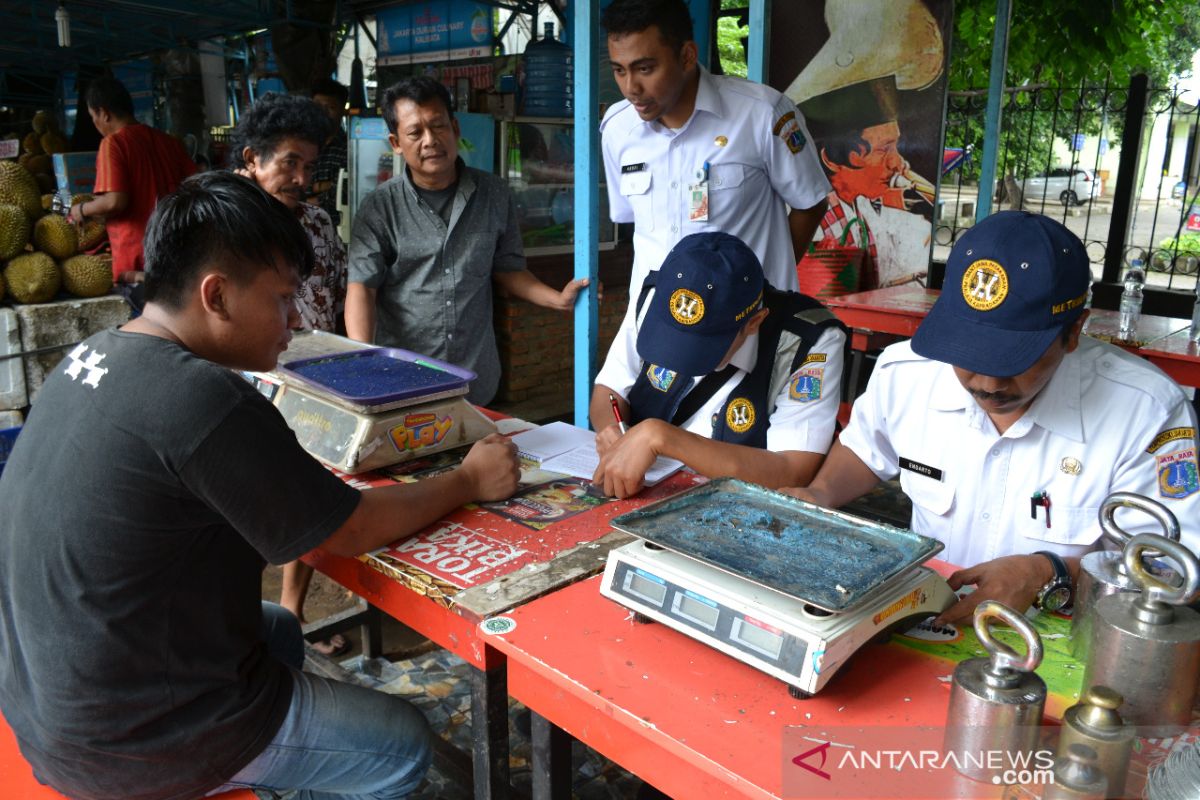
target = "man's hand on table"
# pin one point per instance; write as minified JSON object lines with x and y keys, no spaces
{"x":493,"y":468}
{"x":625,"y":458}
{"x":1012,"y":580}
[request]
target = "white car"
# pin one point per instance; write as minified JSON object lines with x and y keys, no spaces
{"x":1071,"y":186}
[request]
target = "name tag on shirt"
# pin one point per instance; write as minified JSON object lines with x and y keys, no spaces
{"x":920,"y":469}
{"x":628,"y":168}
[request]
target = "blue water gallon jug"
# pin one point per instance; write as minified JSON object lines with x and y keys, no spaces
{"x":549,"y":76}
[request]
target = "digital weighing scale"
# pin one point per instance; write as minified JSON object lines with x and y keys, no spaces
{"x":787,"y":587}
{"x":360,"y":409}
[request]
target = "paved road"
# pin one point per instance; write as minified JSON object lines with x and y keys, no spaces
{"x":1151,"y":225}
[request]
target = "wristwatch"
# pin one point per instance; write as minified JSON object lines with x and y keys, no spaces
{"x":1057,"y":593}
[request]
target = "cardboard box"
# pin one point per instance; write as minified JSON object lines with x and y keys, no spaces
{"x":75,"y":173}
{"x":353,"y":441}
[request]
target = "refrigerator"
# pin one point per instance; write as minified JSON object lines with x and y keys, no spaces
{"x":371,"y":162}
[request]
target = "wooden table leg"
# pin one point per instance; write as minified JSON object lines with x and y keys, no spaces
{"x":551,"y":760}
{"x":489,"y":732}
{"x":371,"y":631}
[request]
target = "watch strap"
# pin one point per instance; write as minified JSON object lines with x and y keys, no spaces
{"x":1060,"y":566}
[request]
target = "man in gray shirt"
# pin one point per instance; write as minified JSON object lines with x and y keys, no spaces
{"x":427,"y":245}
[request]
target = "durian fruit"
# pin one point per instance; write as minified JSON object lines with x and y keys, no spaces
{"x":48,"y":202}
{"x":55,"y":236}
{"x":32,"y":144}
{"x":20,"y":188}
{"x":32,"y":278}
{"x":53,"y":142}
{"x":87,"y":276}
{"x":93,"y":233}
{"x":14,"y":231}
{"x":45,"y":183}
{"x":39,"y":164}
{"x":41,"y":122}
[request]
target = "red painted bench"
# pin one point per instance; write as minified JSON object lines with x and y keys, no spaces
{"x":17,"y":781}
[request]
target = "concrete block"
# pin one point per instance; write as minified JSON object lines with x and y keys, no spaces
{"x":12,"y":371}
{"x":61,"y":325}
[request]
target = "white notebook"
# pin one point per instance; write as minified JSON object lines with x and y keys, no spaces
{"x":564,"y":448}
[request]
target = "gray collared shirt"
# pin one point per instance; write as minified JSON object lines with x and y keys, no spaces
{"x":433,"y":282}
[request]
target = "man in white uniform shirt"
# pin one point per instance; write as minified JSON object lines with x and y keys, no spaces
{"x":732,"y":377}
{"x":687,"y":151}
{"x":1008,"y":428}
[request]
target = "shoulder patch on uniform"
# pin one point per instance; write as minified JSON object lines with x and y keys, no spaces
{"x":1171,"y":435}
{"x":661,"y":378}
{"x":815,"y":316}
{"x":787,"y":128}
{"x":1178,"y":474}
{"x":805,"y":386}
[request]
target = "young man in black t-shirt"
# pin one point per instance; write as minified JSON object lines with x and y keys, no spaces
{"x":140,"y":503}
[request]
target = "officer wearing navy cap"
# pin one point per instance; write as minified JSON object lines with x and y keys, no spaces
{"x":720,"y":370}
{"x":1008,"y":428}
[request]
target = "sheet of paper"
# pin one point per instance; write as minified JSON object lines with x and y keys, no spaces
{"x":583,"y":460}
{"x":551,"y":440}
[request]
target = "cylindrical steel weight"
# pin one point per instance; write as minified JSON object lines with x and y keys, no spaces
{"x":1145,"y":647}
{"x":996,"y":703}
{"x":1103,"y":573}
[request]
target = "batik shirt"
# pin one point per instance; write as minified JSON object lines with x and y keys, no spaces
{"x":323,"y":295}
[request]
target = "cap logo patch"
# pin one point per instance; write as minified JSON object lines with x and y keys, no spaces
{"x":687,"y":307}
{"x":984,"y":285}
{"x":740,"y":415}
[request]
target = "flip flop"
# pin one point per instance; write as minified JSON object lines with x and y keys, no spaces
{"x":335,"y":645}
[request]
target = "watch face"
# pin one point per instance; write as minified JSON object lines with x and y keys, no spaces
{"x":1055,"y":599}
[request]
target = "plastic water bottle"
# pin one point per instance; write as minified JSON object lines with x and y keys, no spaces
{"x":1131,"y":299}
{"x":1194,"y":333}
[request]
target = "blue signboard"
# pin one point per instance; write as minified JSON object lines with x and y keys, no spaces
{"x":434,"y":31}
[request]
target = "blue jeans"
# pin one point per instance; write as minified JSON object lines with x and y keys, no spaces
{"x":338,"y":741}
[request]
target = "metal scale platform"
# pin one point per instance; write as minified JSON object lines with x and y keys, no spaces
{"x":361,"y":409}
{"x":787,"y":587}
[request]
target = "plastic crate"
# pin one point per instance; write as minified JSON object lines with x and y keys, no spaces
{"x":8,"y":437}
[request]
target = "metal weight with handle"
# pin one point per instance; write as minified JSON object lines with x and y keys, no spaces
{"x":996,"y":702}
{"x":1103,"y":572}
{"x":1147,"y":646}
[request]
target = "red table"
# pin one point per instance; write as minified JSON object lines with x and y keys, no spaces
{"x":695,"y":723}
{"x":1175,"y":355}
{"x":475,"y":563}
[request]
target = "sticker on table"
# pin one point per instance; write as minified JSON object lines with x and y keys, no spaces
{"x":494,"y":626}
{"x":546,"y":503}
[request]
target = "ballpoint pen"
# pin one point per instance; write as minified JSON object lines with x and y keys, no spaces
{"x":616,"y":412}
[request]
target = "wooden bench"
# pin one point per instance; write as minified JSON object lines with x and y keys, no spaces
{"x":17,"y":781}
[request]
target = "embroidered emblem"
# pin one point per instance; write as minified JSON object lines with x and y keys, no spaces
{"x":806,"y":385}
{"x":1178,"y":474}
{"x":92,"y":365}
{"x":740,"y":415}
{"x":984,"y":285}
{"x":1171,"y":435}
{"x":1071,"y":466}
{"x":814,"y":358}
{"x":721,"y":141}
{"x":661,"y":378}
{"x":787,"y":128}
{"x":687,"y":307}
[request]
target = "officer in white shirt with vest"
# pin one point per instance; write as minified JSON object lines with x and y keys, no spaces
{"x":732,"y":377}
{"x":687,"y":151}
{"x":1008,"y":428}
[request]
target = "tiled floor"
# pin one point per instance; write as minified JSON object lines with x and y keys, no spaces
{"x":438,"y":684}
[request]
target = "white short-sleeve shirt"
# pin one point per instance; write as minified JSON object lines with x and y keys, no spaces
{"x":801,"y":418}
{"x":761,"y":161}
{"x":1107,"y":421}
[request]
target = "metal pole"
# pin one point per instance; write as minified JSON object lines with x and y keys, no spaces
{"x":760,"y":39}
{"x":587,"y":203}
{"x":1125,"y":191}
{"x":991,"y":129}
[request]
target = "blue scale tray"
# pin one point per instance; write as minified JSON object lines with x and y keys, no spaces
{"x":380,"y":378}
{"x":831,"y":560}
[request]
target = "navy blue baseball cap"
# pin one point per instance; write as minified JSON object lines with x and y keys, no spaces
{"x":1013,"y":282}
{"x":706,"y":289}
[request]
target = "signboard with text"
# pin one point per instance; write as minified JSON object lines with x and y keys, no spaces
{"x":435,"y":31}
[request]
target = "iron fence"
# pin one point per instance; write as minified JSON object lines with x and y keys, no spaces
{"x":1054,"y":159}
